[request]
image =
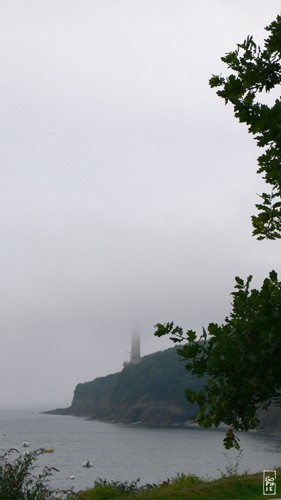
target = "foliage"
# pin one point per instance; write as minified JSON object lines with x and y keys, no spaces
{"x":17,"y":481}
{"x":254,"y":71}
{"x":241,"y":358}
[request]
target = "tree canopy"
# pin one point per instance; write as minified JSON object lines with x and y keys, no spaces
{"x":253,"y":72}
{"x":241,"y":358}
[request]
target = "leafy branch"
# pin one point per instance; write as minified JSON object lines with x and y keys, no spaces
{"x":254,"y":71}
{"x":240,"y":359}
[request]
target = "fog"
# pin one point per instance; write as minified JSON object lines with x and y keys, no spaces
{"x":127,"y":185}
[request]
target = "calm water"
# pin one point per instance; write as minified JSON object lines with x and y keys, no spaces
{"x":126,"y":452}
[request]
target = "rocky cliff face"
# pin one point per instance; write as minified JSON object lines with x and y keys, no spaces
{"x":151,"y":391}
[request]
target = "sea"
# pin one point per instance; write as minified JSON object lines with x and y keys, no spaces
{"x":122,"y":452}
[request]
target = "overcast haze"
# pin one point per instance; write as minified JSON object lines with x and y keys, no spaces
{"x":126,"y":183}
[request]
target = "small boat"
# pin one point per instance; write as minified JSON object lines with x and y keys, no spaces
{"x":25,"y":444}
{"x":87,"y":464}
{"x":47,"y":450}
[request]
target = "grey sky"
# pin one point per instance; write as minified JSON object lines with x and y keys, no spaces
{"x":126,"y":184}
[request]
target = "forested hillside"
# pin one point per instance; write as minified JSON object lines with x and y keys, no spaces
{"x":151,"y":391}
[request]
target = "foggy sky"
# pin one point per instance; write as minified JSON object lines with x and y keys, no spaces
{"x":126,"y":183}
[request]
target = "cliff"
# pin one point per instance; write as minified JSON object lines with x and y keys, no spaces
{"x":151,"y":391}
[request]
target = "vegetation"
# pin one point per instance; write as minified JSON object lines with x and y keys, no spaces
{"x":245,"y":487}
{"x":254,"y":72}
{"x":151,"y":391}
{"x":18,"y":481}
{"x":104,"y":489}
{"x":240,"y":357}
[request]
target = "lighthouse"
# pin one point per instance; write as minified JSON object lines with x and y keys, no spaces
{"x":135,"y":348}
{"x":135,"y":356}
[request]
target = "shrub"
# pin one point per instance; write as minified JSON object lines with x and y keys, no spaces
{"x":17,"y":481}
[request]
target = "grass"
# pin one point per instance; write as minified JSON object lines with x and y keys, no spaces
{"x":243,"y":487}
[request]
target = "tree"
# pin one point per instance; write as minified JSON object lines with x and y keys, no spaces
{"x":254,"y":71}
{"x":241,"y":358}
